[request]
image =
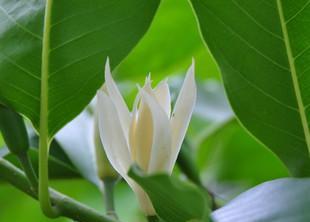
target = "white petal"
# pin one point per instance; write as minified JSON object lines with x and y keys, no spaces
{"x":81,"y":151}
{"x":117,"y":99}
{"x":182,"y":112}
{"x":141,"y":135}
{"x":161,"y":144}
{"x":112,"y":135}
{"x":137,"y":100}
{"x":162,"y":94}
{"x":148,"y":84}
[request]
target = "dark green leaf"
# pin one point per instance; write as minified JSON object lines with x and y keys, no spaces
{"x":58,"y":169}
{"x":173,"y":200}
{"x":79,"y":36}
{"x":14,"y":131}
{"x":283,"y":200}
{"x":262,"y":50}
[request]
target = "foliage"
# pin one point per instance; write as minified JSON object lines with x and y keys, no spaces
{"x":52,"y":56}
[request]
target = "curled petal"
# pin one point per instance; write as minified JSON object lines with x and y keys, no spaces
{"x":182,"y":112}
{"x":162,"y":94}
{"x":117,"y":99}
{"x":112,"y":134}
{"x":161,"y":144}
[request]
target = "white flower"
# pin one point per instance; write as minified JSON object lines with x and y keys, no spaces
{"x":150,"y":135}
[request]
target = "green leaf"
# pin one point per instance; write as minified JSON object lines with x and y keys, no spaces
{"x":14,"y":131}
{"x":173,"y":200}
{"x":231,"y":161}
{"x":285,"y":200}
{"x":59,"y":169}
{"x":65,"y":60}
{"x":167,"y":48}
{"x":262,"y":50}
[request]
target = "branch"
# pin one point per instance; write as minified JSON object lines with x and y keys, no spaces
{"x":67,"y":206}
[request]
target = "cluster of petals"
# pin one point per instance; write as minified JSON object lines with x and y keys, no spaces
{"x":150,"y":135}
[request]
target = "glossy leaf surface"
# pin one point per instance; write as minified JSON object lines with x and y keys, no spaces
{"x":262,"y":48}
{"x":173,"y":199}
{"x":79,"y":35}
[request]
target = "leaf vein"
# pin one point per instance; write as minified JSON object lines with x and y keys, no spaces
{"x":12,"y":62}
{"x":19,"y":25}
{"x":23,"y":91}
{"x":255,"y":21}
{"x":298,"y":12}
{"x":245,"y":41}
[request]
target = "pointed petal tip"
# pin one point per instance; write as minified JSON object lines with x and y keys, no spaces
{"x":191,"y":69}
{"x":193,"y":60}
{"x":107,"y":71}
{"x":107,"y":60}
{"x":148,"y":80}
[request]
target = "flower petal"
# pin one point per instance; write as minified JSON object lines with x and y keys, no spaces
{"x":182,"y":112}
{"x":112,"y":134}
{"x":161,"y":144}
{"x":117,"y":99}
{"x":141,"y":135}
{"x":162,"y":94}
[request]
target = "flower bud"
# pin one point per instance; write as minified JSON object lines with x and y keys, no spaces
{"x":151,"y":135}
{"x":104,"y":169}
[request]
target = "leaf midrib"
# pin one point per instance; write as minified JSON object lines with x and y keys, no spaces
{"x":293,"y":72}
{"x":45,"y":72}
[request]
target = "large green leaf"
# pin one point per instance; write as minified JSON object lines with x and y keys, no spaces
{"x":262,"y":50}
{"x":285,"y":200}
{"x":78,"y":36}
{"x":173,"y":199}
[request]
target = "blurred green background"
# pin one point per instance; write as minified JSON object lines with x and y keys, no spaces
{"x":229,"y":159}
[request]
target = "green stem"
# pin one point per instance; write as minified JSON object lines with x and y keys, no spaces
{"x":187,"y":165}
{"x":108,"y":191}
{"x":44,"y":196}
{"x":152,"y":219}
{"x":67,"y":207}
{"x":29,"y":171}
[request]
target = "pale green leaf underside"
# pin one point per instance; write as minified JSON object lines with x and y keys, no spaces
{"x":283,"y":200}
{"x":82,"y":34}
{"x":263,"y":50}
